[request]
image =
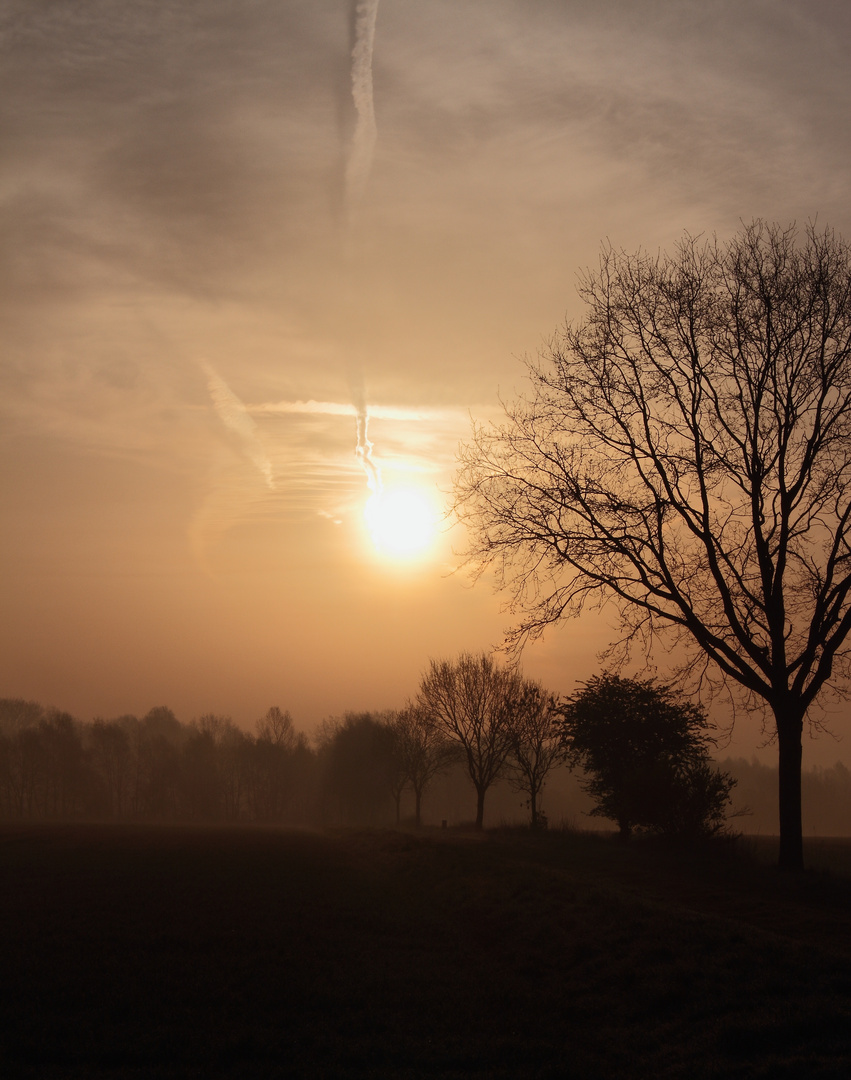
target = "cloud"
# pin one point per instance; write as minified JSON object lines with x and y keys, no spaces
{"x":178,"y":165}
{"x":236,"y":419}
{"x":336,"y":408}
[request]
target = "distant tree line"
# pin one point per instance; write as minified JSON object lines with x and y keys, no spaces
{"x":640,"y":755}
{"x":470,"y":715}
{"x":826,"y":794}
{"x":152,"y":768}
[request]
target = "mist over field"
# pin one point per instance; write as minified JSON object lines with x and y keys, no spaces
{"x":191,"y":899}
{"x":157,"y":768}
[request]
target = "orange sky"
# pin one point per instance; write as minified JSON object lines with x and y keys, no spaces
{"x":177,"y":220}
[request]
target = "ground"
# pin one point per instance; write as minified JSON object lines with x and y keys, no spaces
{"x":132,"y":951}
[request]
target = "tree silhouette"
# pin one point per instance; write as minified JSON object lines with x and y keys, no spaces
{"x":645,"y":755}
{"x":277,"y":728}
{"x":111,"y":755}
{"x":685,"y":453}
{"x":536,"y":745}
{"x":474,"y":701}
{"x":423,"y":750}
{"x":271,"y":772}
{"x":63,"y":759}
{"x":362,"y":768}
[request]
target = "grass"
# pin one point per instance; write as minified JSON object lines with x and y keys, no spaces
{"x":202,"y":952}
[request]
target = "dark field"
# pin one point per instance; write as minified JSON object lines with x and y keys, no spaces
{"x":180,"y":952}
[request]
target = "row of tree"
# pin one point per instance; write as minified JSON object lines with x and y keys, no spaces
{"x":643,"y":755}
{"x":153,"y":768}
{"x":643,"y":752}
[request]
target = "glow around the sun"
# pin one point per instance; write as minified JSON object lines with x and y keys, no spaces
{"x":402,"y":522}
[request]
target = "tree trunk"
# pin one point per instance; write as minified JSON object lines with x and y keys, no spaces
{"x":789,"y":730}
{"x":533,"y":803}
{"x":480,"y":807}
{"x":418,"y":798}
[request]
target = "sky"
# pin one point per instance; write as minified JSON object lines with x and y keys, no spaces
{"x":223,"y":249}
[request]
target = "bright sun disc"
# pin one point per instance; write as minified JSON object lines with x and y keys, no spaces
{"x":401,"y":521}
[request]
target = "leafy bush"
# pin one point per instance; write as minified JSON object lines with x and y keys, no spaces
{"x":645,"y":757}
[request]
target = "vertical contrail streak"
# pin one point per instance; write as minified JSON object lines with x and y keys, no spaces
{"x":358,"y":167}
{"x":363,"y":450}
{"x":364,"y":454}
{"x":365,"y":134}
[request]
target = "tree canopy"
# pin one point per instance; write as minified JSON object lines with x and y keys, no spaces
{"x":645,"y":753}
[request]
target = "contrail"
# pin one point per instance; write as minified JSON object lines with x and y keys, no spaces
{"x":358,"y":168}
{"x":364,"y":454}
{"x":365,"y":134}
{"x":363,"y":450}
{"x":234,"y":416}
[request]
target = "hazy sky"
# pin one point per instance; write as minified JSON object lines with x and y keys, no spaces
{"x":186,"y":265}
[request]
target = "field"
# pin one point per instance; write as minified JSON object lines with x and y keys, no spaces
{"x":204,"y":952}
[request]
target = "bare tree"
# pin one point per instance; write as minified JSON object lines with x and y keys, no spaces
{"x":112,"y":757}
{"x":206,"y":775}
{"x":161,"y":737}
{"x":64,"y":758}
{"x":423,"y":750}
{"x":685,"y":451}
{"x":273,"y":770}
{"x":233,"y":759}
{"x":473,"y":700}
{"x":537,"y":745}
{"x":277,"y":728}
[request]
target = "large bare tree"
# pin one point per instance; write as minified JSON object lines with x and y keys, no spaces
{"x":474,"y":701}
{"x":685,"y":451}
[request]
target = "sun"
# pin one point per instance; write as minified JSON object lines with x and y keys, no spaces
{"x":401,"y":521}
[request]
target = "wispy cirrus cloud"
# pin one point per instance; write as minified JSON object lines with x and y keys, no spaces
{"x":236,"y":419}
{"x":337,"y":408}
